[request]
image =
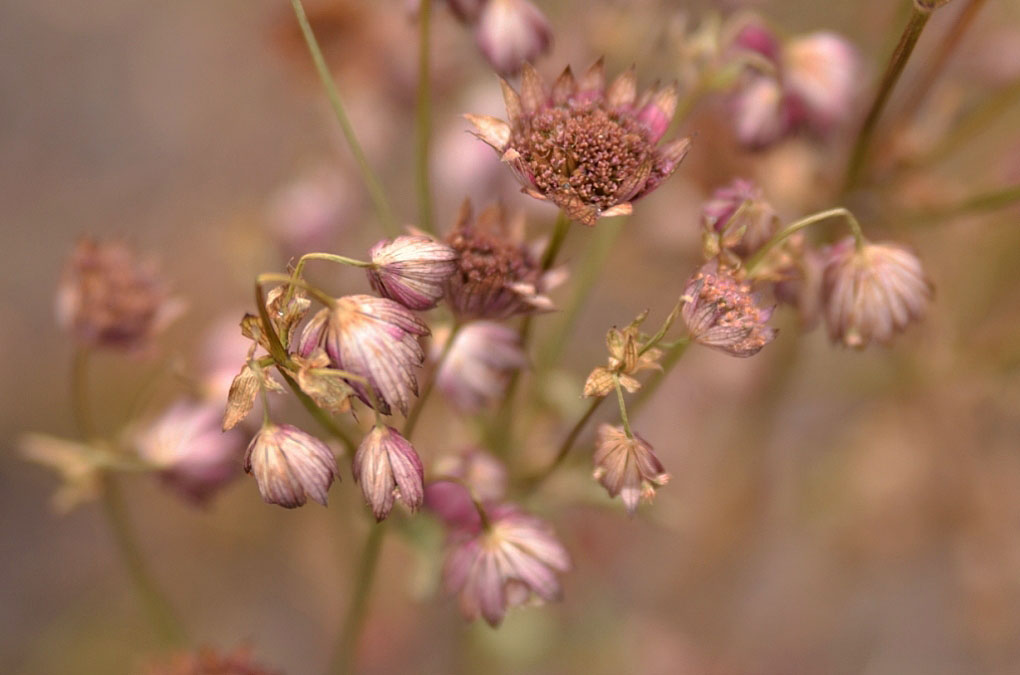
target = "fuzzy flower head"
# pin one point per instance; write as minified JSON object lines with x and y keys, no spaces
{"x":479,"y":363}
{"x":108,"y":298}
{"x":290,"y":466}
{"x":388,"y":468}
{"x":589,"y":149}
{"x":193,"y":455}
{"x":374,"y":338}
{"x":627,"y":467}
{"x":412,"y":270}
{"x":511,"y":33}
{"x":498,"y":275}
{"x":872,"y":292}
{"x":722,"y":313}
{"x":510,"y":561}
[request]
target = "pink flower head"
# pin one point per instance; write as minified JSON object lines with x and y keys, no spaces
{"x":474,"y":474}
{"x":290,"y":465}
{"x":478,"y":365}
{"x":627,"y":467}
{"x":738,"y":219}
{"x":511,"y":560}
{"x":511,"y":33}
{"x":412,"y":270}
{"x":722,"y":313}
{"x":589,"y":149}
{"x":388,"y":468}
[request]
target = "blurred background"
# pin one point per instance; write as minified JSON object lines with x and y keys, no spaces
{"x":831,"y":511}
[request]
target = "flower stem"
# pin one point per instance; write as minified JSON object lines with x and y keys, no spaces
{"x":415,"y":414}
{"x":423,"y":119}
{"x":898,"y":60}
{"x":361,"y":587}
{"x":623,"y":408}
{"x":668,"y":363}
{"x":372,"y":183}
{"x":565,"y":446}
{"x":988,"y":201}
{"x":799,"y":225}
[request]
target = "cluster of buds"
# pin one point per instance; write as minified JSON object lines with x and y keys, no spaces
{"x":509,"y":33}
{"x":589,"y":149}
{"x":805,"y":83}
{"x":627,"y":355}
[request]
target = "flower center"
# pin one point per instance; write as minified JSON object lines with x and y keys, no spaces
{"x":484,"y":255}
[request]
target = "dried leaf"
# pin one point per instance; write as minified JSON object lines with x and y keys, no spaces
{"x":600,"y":382}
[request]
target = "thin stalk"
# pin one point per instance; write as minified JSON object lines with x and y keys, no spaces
{"x":361,"y":585}
{"x":565,"y":446}
{"x":973,"y":123}
{"x":799,"y":225}
{"x":897,"y":62}
{"x":372,"y":183}
{"x":988,"y":201}
{"x":623,"y":409}
{"x":415,"y":414}
{"x":669,"y":361}
{"x":423,"y":119}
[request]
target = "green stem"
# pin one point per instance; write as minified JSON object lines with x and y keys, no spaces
{"x":897,"y":62}
{"x":372,"y":183}
{"x":267,"y":277}
{"x":799,"y":225}
{"x":668,"y":363}
{"x":415,"y":414}
{"x":423,"y":119}
{"x":623,"y":409}
{"x":565,"y":446}
{"x":361,"y":587}
{"x":157,"y":606}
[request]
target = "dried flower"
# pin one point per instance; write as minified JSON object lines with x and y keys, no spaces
{"x":625,"y":359}
{"x":388,"y":468}
{"x":627,"y":466}
{"x":512,"y":560}
{"x":78,"y":464}
{"x":872,"y":292}
{"x":107,"y":298}
{"x":497,"y":275}
{"x":290,"y":465}
{"x":375,"y":338}
{"x":720,"y":312}
{"x":588,"y":149}
{"x":193,"y":455}
{"x":512,"y":32}
{"x":411,"y":270}
{"x":478,"y":365}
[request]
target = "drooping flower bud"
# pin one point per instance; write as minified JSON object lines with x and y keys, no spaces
{"x":820,"y":74}
{"x":411,"y":270}
{"x":193,"y":455}
{"x":872,"y":292}
{"x":375,"y":338}
{"x":510,"y":33}
{"x":388,"y":468}
{"x":290,"y":466}
{"x":478,"y":365}
{"x":511,"y":561}
{"x":627,"y":467}
{"x":722,"y":313}
{"x":109,"y":299}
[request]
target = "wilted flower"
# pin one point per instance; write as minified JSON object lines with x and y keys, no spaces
{"x":872,"y":292}
{"x":290,"y":465}
{"x":193,"y":455}
{"x":588,"y":149}
{"x":512,"y":32}
{"x":107,"y":298}
{"x":387,"y":468}
{"x":627,"y":356}
{"x":497,"y":275}
{"x":722,"y":313}
{"x":737,"y":219}
{"x":412,"y":270}
{"x":627,"y":466}
{"x":512,"y":559}
{"x":478,"y":365}
{"x":375,"y":338}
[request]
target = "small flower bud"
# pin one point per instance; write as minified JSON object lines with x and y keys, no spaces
{"x":475,"y":371}
{"x":387,"y":468}
{"x":290,"y":465}
{"x":411,"y":270}
{"x":627,"y":467}
{"x":820,"y":74}
{"x":872,"y":292}
{"x":737,"y":219}
{"x":510,"y":33}
{"x":720,"y":312}
{"x":759,"y":115}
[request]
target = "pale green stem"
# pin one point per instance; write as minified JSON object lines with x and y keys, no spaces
{"x":361,"y":587}
{"x":565,"y":446}
{"x":372,"y":183}
{"x":669,"y":361}
{"x":799,"y":225}
{"x":423,"y":119}
{"x":316,"y":293}
{"x":415,"y":414}
{"x":623,"y":408}
{"x":894,"y":69}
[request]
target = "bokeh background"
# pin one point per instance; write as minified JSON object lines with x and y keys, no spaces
{"x":830,"y":511}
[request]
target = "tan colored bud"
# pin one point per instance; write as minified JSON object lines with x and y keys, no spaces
{"x":290,"y":465}
{"x":627,"y":467}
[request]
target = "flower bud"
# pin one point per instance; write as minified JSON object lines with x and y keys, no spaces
{"x":387,"y":468}
{"x":820,"y":73}
{"x":720,"y":312}
{"x":478,"y":365}
{"x":510,"y":33}
{"x":290,"y":465}
{"x":738,"y":220}
{"x":627,"y":467}
{"x":411,"y":270}
{"x":759,"y":115}
{"x":872,"y":292}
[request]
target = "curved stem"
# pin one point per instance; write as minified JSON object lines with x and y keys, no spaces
{"x":897,"y":62}
{"x":799,"y":225}
{"x":415,"y":414}
{"x":423,"y":117}
{"x":266,"y":277}
{"x":565,"y":446}
{"x":372,"y":183}
{"x":332,"y":257}
{"x":361,"y":586}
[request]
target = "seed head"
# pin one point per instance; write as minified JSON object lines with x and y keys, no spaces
{"x":411,"y":270}
{"x":475,"y":371}
{"x":387,"y":468}
{"x":872,"y":292}
{"x":721,"y":312}
{"x":511,"y":33}
{"x":290,"y":466}
{"x":627,"y":467}
{"x":588,"y":149}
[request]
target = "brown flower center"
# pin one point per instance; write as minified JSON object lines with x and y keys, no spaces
{"x":485,"y":255}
